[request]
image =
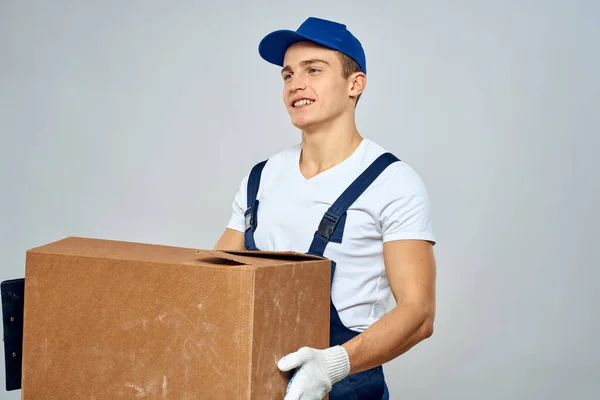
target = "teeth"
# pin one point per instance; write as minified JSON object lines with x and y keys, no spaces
{"x":303,"y":102}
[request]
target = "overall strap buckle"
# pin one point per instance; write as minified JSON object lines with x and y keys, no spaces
{"x":250,"y":215}
{"x":332,"y":224}
{"x":328,"y":224}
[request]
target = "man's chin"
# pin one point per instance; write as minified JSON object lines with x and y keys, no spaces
{"x":305,"y":124}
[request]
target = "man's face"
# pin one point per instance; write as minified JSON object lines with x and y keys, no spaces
{"x":314,"y":91}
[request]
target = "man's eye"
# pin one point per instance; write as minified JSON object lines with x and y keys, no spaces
{"x":314,"y":70}
{"x":287,"y":76}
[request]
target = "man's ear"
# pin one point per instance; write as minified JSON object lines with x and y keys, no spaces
{"x":358,"y":83}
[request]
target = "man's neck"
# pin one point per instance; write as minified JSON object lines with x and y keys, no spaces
{"x":328,"y":146}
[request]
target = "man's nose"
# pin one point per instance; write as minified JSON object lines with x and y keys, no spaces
{"x":297,"y":84}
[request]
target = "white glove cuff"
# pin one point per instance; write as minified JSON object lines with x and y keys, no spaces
{"x":338,"y":363}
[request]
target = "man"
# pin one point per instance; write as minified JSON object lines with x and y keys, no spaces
{"x":343,"y":197}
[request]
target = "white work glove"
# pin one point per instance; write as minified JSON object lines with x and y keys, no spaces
{"x":316,"y":371}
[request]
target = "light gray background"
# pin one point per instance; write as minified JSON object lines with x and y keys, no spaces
{"x":136,"y":120}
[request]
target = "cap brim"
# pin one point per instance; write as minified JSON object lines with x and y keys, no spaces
{"x":272,"y":47}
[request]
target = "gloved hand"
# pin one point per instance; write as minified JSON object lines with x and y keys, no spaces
{"x":316,"y":371}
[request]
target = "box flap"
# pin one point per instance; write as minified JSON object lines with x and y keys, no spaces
{"x":219,"y":255}
{"x":276,"y":255}
{"x":260,"y":257}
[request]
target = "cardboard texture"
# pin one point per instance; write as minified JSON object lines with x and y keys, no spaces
{"x":119,"y":320}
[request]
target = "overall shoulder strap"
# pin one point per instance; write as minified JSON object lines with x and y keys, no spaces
{"x":252,"y":205}
{"x":254,"y":183}
{"x":332,"y":223}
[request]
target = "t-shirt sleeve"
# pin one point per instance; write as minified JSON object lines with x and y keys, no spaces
{"x":237,"y":220}
{"x":406,"y":211}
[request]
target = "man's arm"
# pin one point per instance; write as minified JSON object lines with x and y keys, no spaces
{"x":410,"y":267}
{"x":230,"y":240}
{"x":411,"y":270}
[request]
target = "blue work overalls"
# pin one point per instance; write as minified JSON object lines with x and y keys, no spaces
{"x":364,"y":385}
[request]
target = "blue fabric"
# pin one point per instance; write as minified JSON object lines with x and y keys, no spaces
{"x":365,"y":385}
{"x":251,"y":213}
{"x":330,"y":34}
{"x":330,"y":223}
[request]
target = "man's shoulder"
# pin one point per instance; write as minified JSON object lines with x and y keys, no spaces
{"x":286,"y":154}
{"x":399,"y":176}
{"x":372,"y":150}
{"x":275,"y":164}
{"x":281,"y":156}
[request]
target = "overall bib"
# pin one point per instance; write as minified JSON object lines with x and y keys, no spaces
{"x":369,"y":384}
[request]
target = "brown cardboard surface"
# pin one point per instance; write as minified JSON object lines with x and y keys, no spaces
{"x":117,"y":320}
{"x":258,"y":258}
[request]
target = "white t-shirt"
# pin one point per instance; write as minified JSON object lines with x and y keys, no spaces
{"x":395,"y":206}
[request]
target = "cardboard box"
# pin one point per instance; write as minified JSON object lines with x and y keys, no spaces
{"x":118,"y":320}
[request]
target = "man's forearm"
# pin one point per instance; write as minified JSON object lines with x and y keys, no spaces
{"x":392,"y":335}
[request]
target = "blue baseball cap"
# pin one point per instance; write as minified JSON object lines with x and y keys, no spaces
{"x":330,"y":34}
